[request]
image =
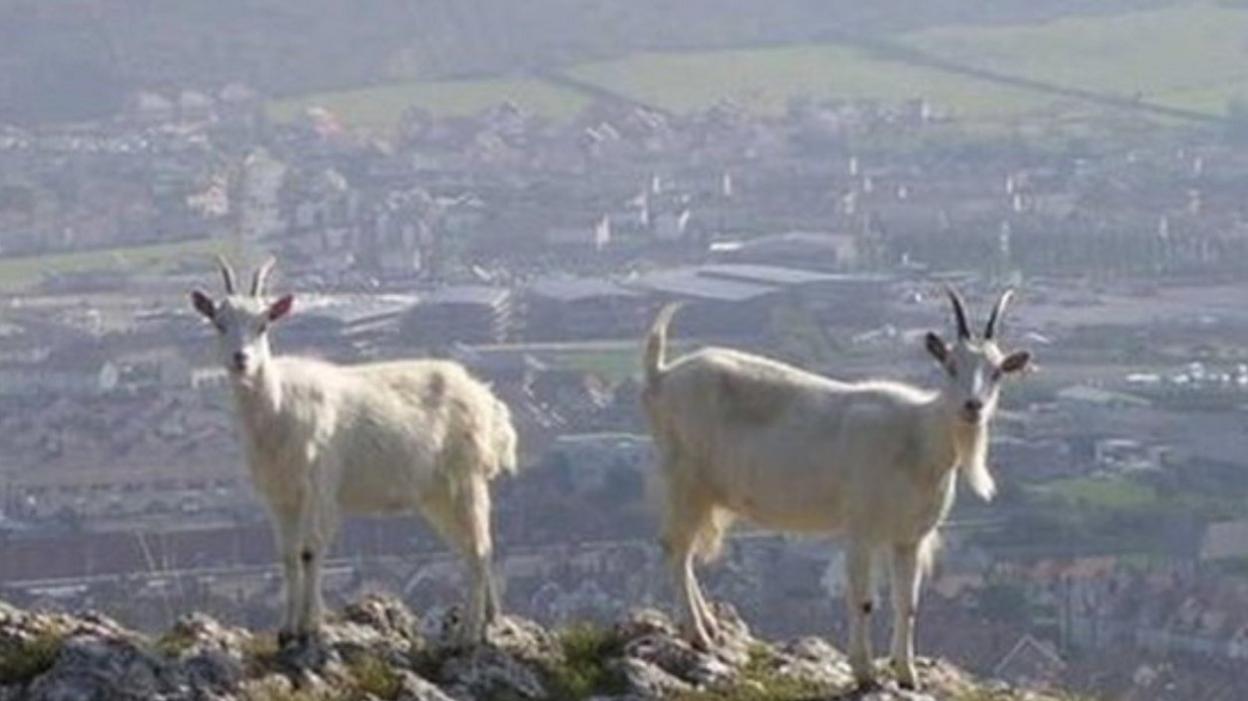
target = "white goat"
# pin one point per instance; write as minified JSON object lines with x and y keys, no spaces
{"x":324,"y":439}
{"x":742,"y":435}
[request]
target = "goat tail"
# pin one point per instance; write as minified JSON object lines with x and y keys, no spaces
{"x":710,"y":541}
{"x":505,"y":440}
{"x":654,"y":361}
{"x":928,"y":548}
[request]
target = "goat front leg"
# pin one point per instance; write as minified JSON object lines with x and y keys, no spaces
{"x":320,"y":524}
{"x":286,"y":535}
{"x":907,"y":578}
{"x":859,"y":601}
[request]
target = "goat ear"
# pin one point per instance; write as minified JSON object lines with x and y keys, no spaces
{"x":281,"y":307}
{"x":937,"y":347}
{"x":203,"y":304}
{"x":1016,"y":361}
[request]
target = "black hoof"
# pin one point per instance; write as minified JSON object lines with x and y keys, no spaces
{"x":866,"y":685}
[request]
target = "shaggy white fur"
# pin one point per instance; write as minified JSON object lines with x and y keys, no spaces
{"x":742,"y":435}
{"x":323,"y":440}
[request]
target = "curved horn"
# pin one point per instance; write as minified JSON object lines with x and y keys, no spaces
{"x":997,"y":312}
{"x":261,"y":278}
{"x":227,"y":273}
{"x":959,"y":312}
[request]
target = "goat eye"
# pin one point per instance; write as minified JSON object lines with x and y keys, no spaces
{"x":996,"y":374}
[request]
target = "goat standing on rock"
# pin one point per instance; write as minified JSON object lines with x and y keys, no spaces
{"x":742,"y":435}
{"x":323,"y":439}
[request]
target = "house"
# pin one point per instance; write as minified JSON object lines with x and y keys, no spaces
{"x":346,"y":317}
{"x":579,"y":308}
{"x":1088,"y":396}
{"x":804,"y":249}
{"x":1030,"y":662}
{"x":724,"y":306}
{"x":1225,"y":540}
{"x":672,"y":225}
{"x":594,"y":457}
{"x":194,"y":105}
{"x":593,"y":236}
{"x":460,"y":314}
{"x":147,"y":107}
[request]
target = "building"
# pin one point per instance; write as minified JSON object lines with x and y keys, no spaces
{"x":581,"y":308}
{"x":460,"y":314}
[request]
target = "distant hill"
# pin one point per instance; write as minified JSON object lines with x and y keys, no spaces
{"x":78,"y":59}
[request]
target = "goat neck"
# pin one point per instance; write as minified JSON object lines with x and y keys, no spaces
{"x":259,"y":395}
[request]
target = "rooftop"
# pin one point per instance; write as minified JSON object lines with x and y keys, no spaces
{"x":467,"y":294}
{"x":687,"y":282}
{"x":577,"y":289}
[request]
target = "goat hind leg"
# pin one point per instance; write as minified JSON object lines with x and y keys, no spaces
{"x":907,"y":578}
{"x":859,"y":601}
{"x":707,"y":546}
{"x":678,"y":545}
{"x":709,"y":621}
{"x":462,"y":517}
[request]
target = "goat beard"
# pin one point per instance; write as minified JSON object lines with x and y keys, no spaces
{"x":971,"y":443}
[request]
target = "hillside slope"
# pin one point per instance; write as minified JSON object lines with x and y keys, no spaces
{"x":77,"y":59}
{"x":378,"y":649}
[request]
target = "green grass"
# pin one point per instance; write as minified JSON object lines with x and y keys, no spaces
{"x":375,"y":677}
{"x":1189,"y":55}
{"x":613,"y":365}
{"x":260,"y":654}
{"x":1113,"y":493}
{"x":22,"y":661}
{"x":378,"y":108}
{"x":759,"y":681}
{"x":20,"y":272}
{"x":763,"y":80}
{"x":583,"y":673}
{"x":173,"y":643}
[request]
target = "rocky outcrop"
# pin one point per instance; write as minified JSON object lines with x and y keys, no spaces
{"x":379,"y":649}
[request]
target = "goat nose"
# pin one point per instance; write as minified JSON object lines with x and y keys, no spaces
{"x":974,"y":405}
{"x":240,"y":360}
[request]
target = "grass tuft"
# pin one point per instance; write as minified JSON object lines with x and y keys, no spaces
{"x":583,"y":671}
{"x":759,"y":681}
{"x":375,"y":676}
{"x":24,"y":660}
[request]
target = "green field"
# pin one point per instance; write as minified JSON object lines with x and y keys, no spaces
{"x":613,"y":365}
{"x":379,"y":107}
{"x":21,"y":272}
{"x":763,"y":80}
{"x":1189,"y":55}
{"x":1111,"y":493}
